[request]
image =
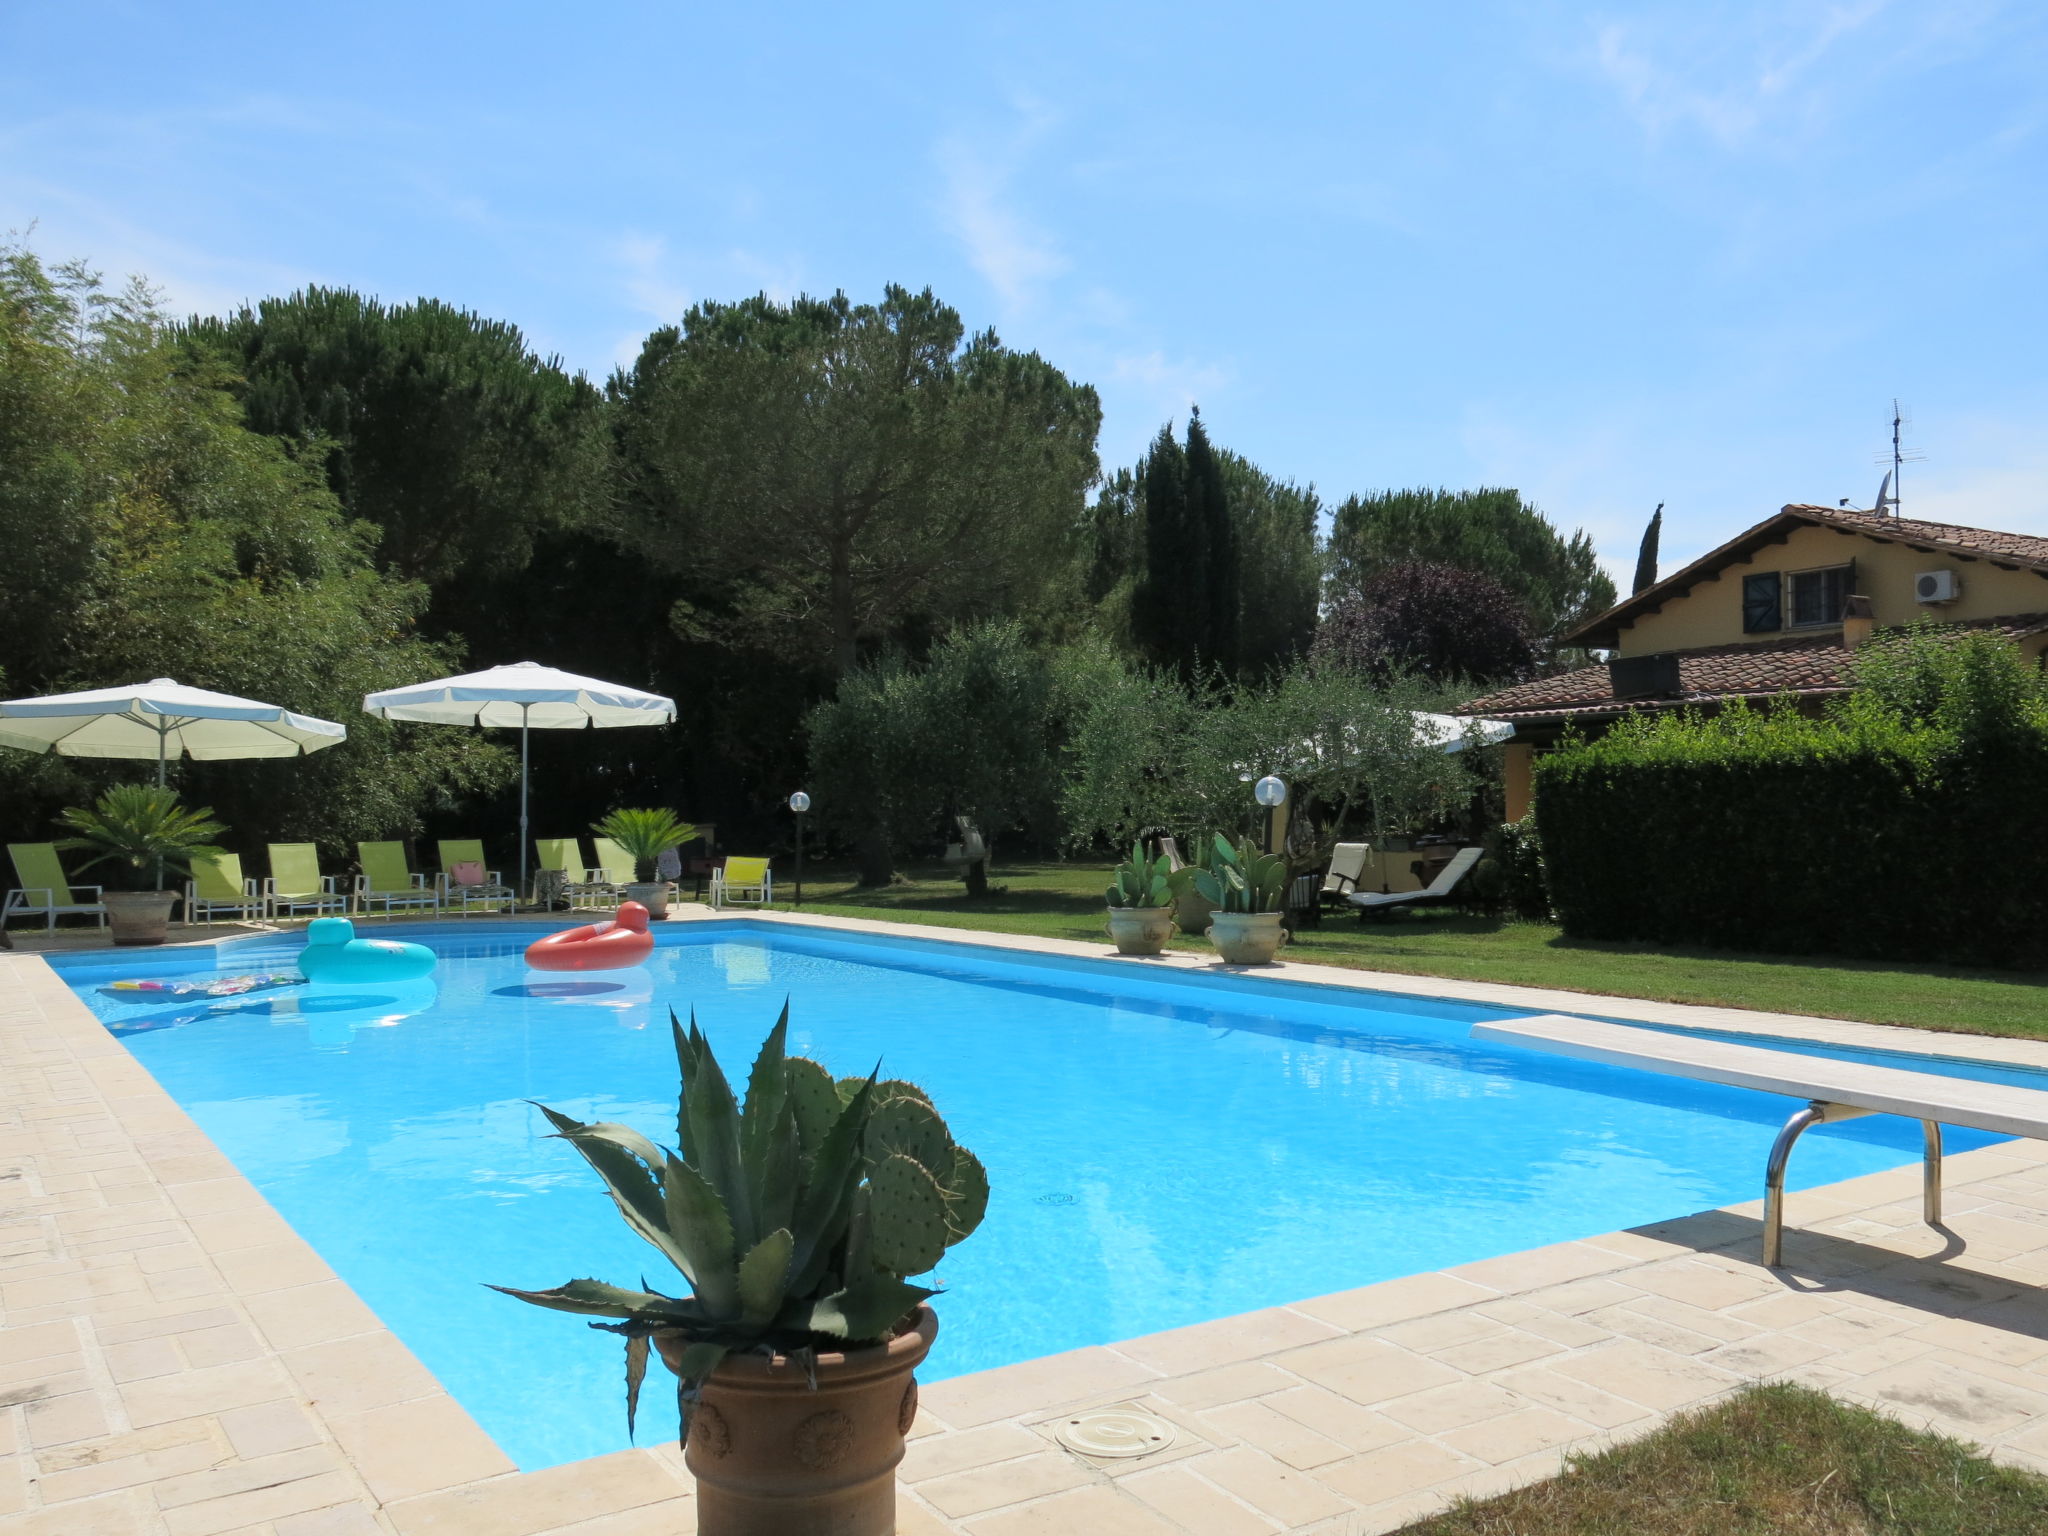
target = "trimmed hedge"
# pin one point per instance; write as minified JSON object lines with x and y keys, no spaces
{"x":1525,"y":889}
{"x":1909,"y":823}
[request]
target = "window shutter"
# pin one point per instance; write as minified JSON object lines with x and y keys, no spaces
{"x":1763,"y":603}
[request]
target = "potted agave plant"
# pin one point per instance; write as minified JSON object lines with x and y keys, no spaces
{"x":1141,"y":904}
{"x":1247,"y":887}
{"x":140,"y":832}
{"x":646,"y":835}
{"x":797,"y":1223}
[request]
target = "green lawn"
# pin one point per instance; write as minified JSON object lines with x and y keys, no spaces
{"x":1064,"y":901}
{"x":1771,"y":1461}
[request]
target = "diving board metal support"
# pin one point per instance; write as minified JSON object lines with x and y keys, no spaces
{"x":1821,"y":1112}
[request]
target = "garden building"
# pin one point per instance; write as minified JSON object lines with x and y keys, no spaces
{"x":1776,"y":611}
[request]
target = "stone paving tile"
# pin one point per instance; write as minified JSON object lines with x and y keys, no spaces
{"x":1367,"y":1370}
{"x":1248,"y":1336}
{"x":1015,"y":1481}
{"x":1272,"y":1487}
{"x":1196,"y":1504}
{"x":1396,"y":1471}
{"x":1336,"y":1418}
{"x":937,"y":1455}
{"x":1279,"y":1435}
{"x":1225,"y":1384}
{"x":1097,"y":1511}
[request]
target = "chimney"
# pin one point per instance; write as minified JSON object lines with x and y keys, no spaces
{"x":1859,"y":622}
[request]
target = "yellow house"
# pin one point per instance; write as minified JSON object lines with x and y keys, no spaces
{"x":1777,"y":610}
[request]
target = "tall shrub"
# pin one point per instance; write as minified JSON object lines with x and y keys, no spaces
{"x":1908,"y":822}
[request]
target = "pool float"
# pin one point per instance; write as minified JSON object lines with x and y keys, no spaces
{"x":596,"y":946}
{"x":223,"y":986}
{"x":334,"y":953}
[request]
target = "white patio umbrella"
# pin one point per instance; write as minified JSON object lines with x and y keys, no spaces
{"x":530,"y":696}
{"x":1456,"y":732}
{"x":164,"y":720}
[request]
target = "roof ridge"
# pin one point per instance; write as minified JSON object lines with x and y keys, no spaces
{"x":1990,"y":544}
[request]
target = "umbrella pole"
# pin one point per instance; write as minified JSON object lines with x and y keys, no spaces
{"x":523,"y":711}
{"x":161,"y":736}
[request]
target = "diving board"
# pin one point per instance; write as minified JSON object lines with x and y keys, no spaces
{"x":1834,"y":1090}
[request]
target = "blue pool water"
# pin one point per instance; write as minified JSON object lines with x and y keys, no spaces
{"x":1163,"y":1149}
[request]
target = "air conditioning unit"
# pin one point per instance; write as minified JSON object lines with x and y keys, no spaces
{"x":1936,"y":587}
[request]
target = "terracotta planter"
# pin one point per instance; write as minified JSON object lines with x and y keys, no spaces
{"x":774,"y":1458}
{"x":1246,"y":938}
{"x":654,"y":897}
{"x":1140,"y":930}
{"x":139,"y":917}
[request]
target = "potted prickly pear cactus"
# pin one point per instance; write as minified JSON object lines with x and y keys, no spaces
{"x":1141,"y":904}
{"x":797,"y":1223}
{"x":1191,"y":909}
{"x":1247,"y":887}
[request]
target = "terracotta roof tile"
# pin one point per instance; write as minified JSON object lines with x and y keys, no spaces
{"x":1810,"y":666}
{"x":2019,"y":548}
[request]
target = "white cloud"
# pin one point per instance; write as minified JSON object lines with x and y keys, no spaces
{"x":1697,"y":73}
{"x":1016,"y":257}
{"x":61,"y":224}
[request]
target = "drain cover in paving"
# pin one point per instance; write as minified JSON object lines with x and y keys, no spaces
{"x":1115,"y":1432}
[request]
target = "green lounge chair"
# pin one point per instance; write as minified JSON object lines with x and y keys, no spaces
{"x":742,"y":882}
{"x":491,"y":894}
{"x":43,"y":890}
{"x":615,"y":863}
{"x":296,"y":884}
{"x":581,"y":884}
{"x":388,"y":882}
{"x":217,"y":885}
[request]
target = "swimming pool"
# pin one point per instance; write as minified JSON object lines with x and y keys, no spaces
{"x":1163,"y":1148}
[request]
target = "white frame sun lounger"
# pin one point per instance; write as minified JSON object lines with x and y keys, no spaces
{"x":1834,"y":1090}
{"x":1347,"y":868}
{"x":1438,"y":890}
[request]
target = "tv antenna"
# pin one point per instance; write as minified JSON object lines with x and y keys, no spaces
{"x":1897,"y":459}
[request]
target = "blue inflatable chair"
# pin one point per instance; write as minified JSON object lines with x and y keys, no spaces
{"x":334,"y":953}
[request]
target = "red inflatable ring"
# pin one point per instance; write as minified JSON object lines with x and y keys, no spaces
{"x":596,"y":946}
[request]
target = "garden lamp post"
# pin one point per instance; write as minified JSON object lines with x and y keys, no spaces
{"x":1270,"y":792}
{"x":799,"y":803}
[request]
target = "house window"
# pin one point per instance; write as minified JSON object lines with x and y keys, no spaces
{"x":1763,"y":605}
{"x":1818,"y":596}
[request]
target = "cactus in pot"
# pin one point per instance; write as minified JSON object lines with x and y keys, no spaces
{"x":1248,"y":888}
{"x":1141,"y":904}
{"x":1242,"y":879}
{"x":797,"y":1223}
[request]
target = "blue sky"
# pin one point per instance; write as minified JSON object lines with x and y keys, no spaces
{"x":1613,"y":256}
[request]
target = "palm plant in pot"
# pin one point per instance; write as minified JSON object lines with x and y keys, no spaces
{"x":797,"y":1222}
{"x":139,"y":831}
{"x":1247,"y":887}
{"x":1141,"y":904}
{"x":646,"y":835}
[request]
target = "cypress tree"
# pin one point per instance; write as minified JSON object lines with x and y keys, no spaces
{"x":1159,"y":607}
{"x":1646,"y":557}
{"x":1214,"y":606}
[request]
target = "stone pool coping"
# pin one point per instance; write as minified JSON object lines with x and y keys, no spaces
{"x":176,"y":1361}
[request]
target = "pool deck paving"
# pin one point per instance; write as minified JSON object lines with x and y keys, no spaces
{"x":176,"y":1361}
